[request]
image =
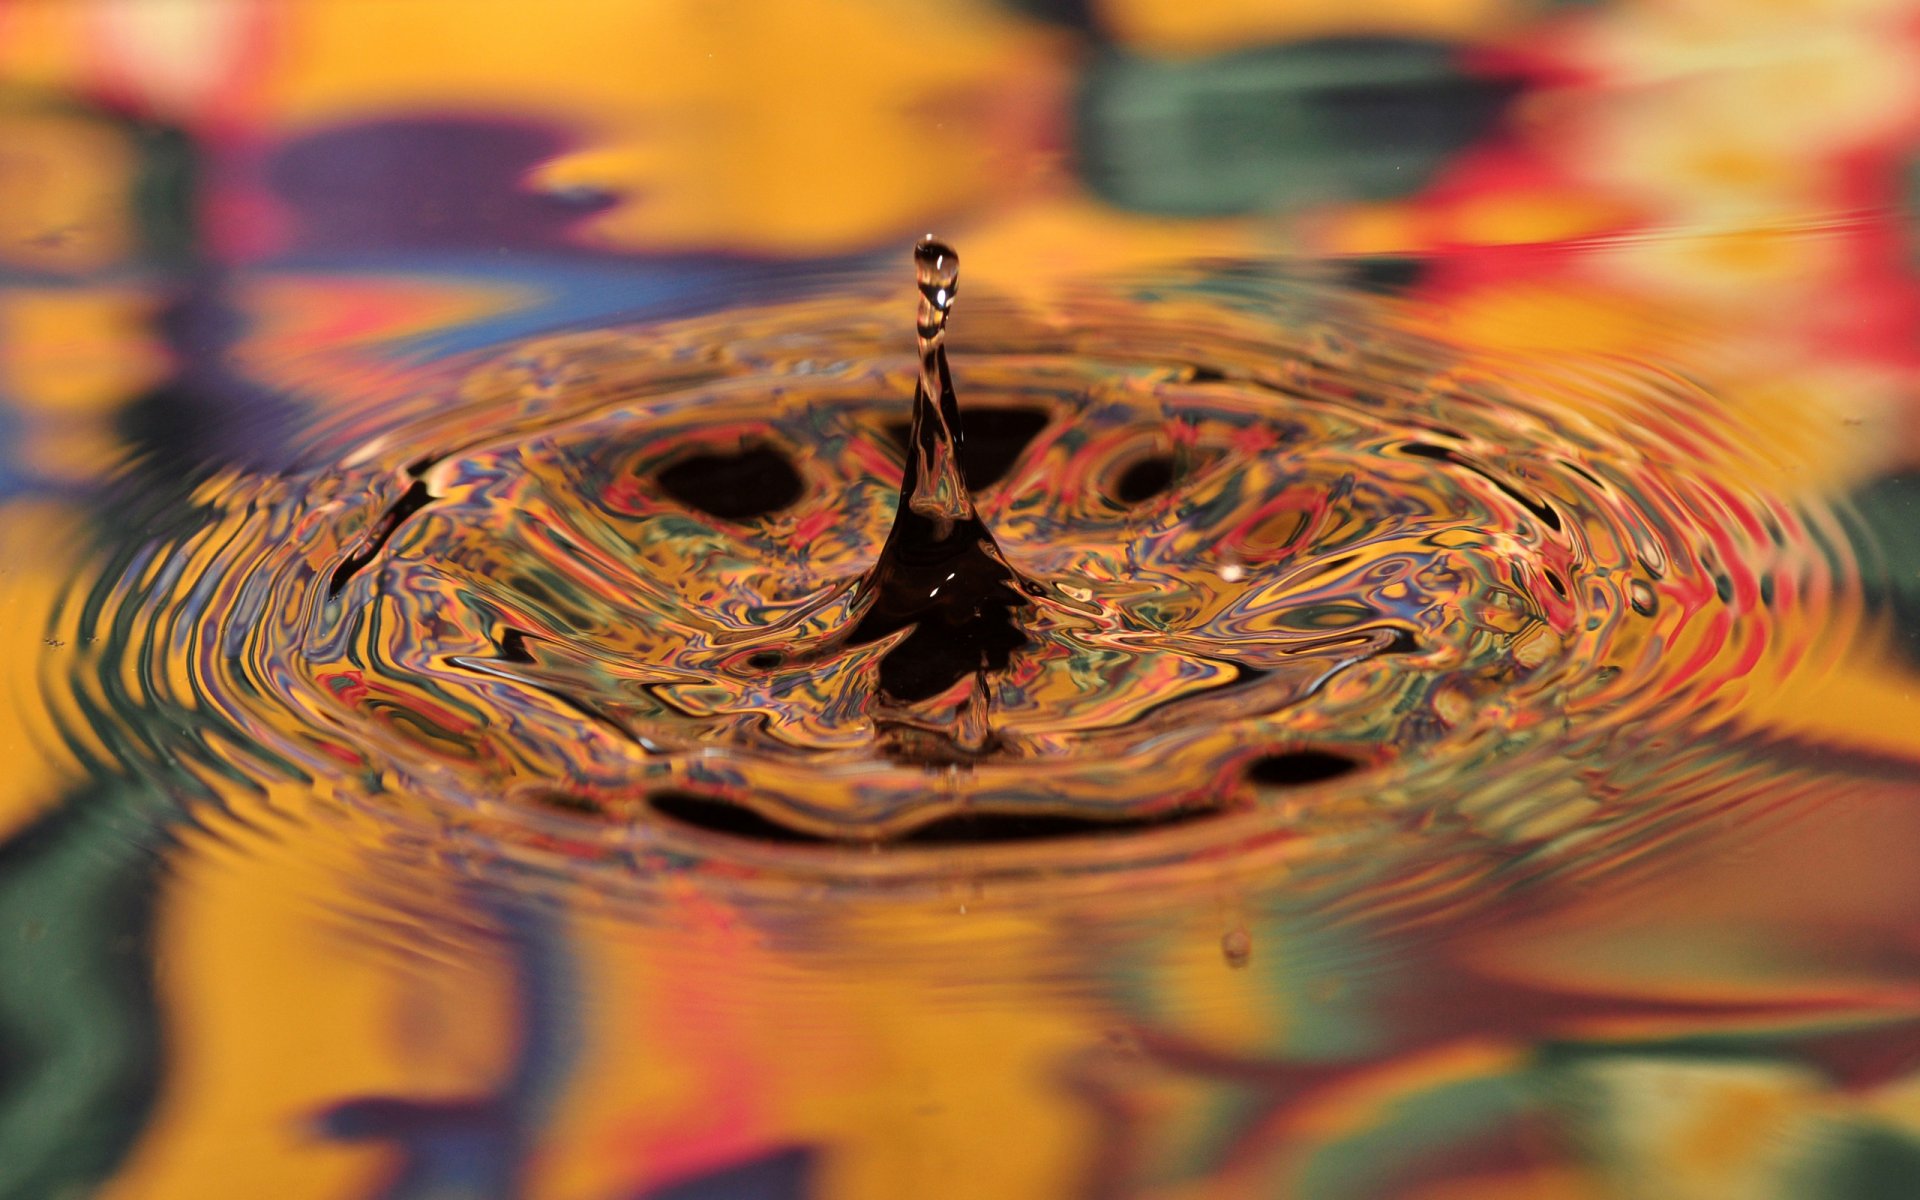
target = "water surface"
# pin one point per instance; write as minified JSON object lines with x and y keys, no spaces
{"x":1428,"y":708}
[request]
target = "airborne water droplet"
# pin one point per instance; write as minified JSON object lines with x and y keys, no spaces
{"x":934,"y":486}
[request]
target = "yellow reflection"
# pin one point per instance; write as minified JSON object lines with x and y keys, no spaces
{"x":279,"y":1000}
{"x":38,"y":541}
{"x":910,"y":1063}
{"x":788,"y":126}
{"x":1213,"y":26}
{"x":63,"y":191}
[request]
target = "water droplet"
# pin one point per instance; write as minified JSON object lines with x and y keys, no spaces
{"x":1236,"y":946}
{"x":1641,"y":596}
{"x":1652,"y":556}
{"x":940,"y":575}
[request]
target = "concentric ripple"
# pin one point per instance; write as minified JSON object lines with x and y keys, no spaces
{"x":1298,"y":567}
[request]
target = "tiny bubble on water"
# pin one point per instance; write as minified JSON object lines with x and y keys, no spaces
{"x":1236,"y":946}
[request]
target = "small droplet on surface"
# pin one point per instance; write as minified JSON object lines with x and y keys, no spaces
{"x":1642,"y":598}
{"x":1236,"y":946}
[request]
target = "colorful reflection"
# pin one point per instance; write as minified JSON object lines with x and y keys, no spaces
{"x":231,"y":236}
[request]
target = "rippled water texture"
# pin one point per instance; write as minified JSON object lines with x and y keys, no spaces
{"x":1366,"y":647}
{"x":1293,"y":569}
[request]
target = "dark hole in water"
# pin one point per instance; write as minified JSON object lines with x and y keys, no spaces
{"x":513,"y":647}
{"x":1401,"y":642}
{"x":765,"y":660}
{"x":571,"y":802}
{"x":1144,"y":479}
{"x":715,"y":815}
{"x":411,"y":501}
{"x":991,"y":440}
{"x":1296,"y":767}
{"x":1384,"y":273}
{"x":976,"y":828}
{"x":723,"y":816}
{"x":755,"y":481}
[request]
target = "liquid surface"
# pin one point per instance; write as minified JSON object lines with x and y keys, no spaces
{"x":1252,"y":562}
{"x":1371,"y":653}
{"x":1161,"y":616}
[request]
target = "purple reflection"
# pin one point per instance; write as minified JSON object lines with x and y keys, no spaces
{"x":442,"y":182}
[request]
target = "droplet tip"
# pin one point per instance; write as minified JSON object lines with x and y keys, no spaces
{"x":936,"y":262}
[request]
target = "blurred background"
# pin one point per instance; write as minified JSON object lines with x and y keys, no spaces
{"x":215,"y":190}
{"x":214,"y":211}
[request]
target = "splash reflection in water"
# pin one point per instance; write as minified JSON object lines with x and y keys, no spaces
{"x":1255,"y":565}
